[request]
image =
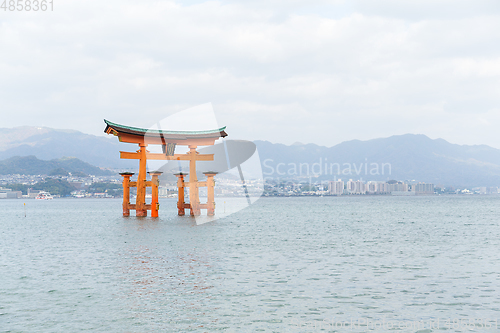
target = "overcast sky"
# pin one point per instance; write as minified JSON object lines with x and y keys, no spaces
{"x":279,"y":70}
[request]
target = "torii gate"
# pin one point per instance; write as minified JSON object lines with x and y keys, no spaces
{"x":169,"y":140}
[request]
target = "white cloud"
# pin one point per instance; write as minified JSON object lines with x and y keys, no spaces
{"x":322,"y":71}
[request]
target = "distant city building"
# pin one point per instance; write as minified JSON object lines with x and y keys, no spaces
{"x":7,"y":193}
{"x":383,"y":188}
{"x":423,"y":188}
{"x":167,"y":191}
{"x":492,"y":190}
{"x":371,"y":187}
{"x":360,"y":187}
{"x":485,"y":190}
{"x":336,"y":187}
{"x":349,"y":186}
{"x":398,"y":187}
{"x":355,"y":187}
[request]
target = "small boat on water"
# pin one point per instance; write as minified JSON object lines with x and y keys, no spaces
{"x":44,"y":196}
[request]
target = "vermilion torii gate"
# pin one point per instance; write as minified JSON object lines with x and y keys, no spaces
{"x":168,"y":140}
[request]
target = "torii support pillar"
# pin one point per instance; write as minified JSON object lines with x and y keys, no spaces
{"x":194,"y":197}
{"x":210,"y":192}
{"x":181,"y":205}
{"x":155,"y":182}
{"x":126,"y":192}
{"x":209,"y":183}
{"x":140,"y":200}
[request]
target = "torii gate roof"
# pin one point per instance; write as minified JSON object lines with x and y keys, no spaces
{"x":152,"y":136}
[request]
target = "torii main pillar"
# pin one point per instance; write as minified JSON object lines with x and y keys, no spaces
{"x":168,"y":140}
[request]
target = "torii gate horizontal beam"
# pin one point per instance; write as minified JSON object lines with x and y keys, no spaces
{"x":175,"y":157}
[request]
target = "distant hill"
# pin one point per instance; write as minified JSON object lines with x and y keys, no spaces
{"x":30,"y":165}
{"x":47,"y":144}
{"x":404,"y":157}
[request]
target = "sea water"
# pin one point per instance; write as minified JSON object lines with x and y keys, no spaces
{"x":298,"y":264}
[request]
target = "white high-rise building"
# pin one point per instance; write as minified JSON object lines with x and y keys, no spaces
{"x":336,"y":187}
{"x":371,"y":187}
{"x":355,"y":187}
{"x":360,"y":187}
{"x":422,"y":188}
{"x":383,"y":188}
{"x":398,"y":187}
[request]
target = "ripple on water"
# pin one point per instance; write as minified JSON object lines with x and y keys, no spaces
{"x":75,"y":265}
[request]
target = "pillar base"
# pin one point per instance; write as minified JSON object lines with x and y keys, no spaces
{"x":141,"y":213}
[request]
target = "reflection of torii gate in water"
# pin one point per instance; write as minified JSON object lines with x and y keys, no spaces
{"x":168,"y":140}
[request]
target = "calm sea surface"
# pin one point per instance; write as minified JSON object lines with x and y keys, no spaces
{"x":281,"y":265}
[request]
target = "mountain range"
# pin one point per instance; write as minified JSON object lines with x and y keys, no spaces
{"x":48,"y":143}
{"x":402,"y":157}
{"x":30,"y":165}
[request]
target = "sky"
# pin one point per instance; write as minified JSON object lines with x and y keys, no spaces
{"x":286,"y":71}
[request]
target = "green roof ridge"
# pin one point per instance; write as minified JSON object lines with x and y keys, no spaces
{"x":109,"y":123}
